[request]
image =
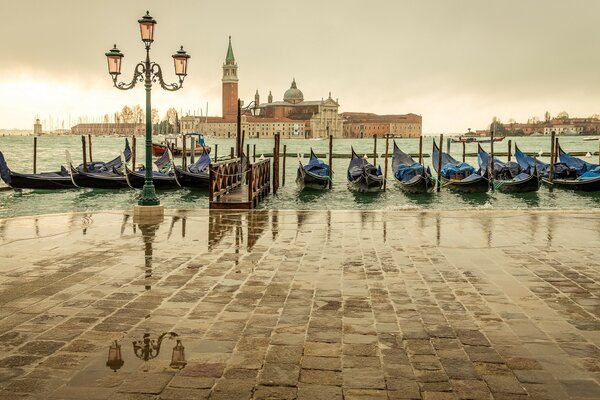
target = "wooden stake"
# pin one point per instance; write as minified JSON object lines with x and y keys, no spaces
{"x":35,"y":154}
{"x":85,"y":167}
{"x":330,"y":159}
{"x":509,"y":149}
{"x":439,"y":182}
{"x":134,"y":152}
{"x":184,"y":154}
{"x":232,"y":152}
{"x":216,"y":151}
{"x":385,"y":166}
{"x":464,"y":146}
{"x":276,"y":164}
{"x":248,"y":150}
{"x":491,"y":174}
{"x":375,"y":150}
{"x":192,"y":150}
{"x":283,"y":166}
{"x":254,"y":152}
{"x":90,"y":146}
{"x":552,"y":151}
{"x":421,"y":150}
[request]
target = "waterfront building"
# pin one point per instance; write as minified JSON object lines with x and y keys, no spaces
{"x":37,"y":128}
{"x":106,"y":128}
{"x":293,"y":116}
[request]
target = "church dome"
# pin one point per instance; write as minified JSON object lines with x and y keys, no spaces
{"x":293,"y":94}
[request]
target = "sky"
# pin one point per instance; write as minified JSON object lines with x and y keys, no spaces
{"x":458,"y":63}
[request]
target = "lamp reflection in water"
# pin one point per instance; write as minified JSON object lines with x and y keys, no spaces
{"x":147,"y":349}
{"x":148,"y":235}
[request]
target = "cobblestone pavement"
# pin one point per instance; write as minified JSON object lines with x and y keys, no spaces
{"x":302,"y":305}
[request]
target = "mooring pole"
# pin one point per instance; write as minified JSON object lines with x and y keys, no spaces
{"x":439,"y":182}
{"x":35,"y":154}
{"x":464,"y":146}
{"x":421,"y":149}
{"x":552,"y":151}
{"x":248,"y":150}
{"x":238,"y":136}
{"x":491,"y":174}
{"x":283,"y":165}
{"x":133,"y":152}
{"x":192,"y":150}
{"x":85,"y":168}
{"x":232,"y":152}
{"x":184,"y":154}
{"x":330,"y":160}
{"x":254,"y":152}
{"x":509,"y":149}
{"x":375,"y":150}
{"x":216,"y":151}
{"x":385,"y":166}
{"x":276,"y":164}
{"x":90,"y":146}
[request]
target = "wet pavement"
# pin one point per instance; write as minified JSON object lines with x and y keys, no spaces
{"x":301,"y":305}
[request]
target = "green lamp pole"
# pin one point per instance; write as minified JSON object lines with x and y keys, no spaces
{"x":147,"y":72}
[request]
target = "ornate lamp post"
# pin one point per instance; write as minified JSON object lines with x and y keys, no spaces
{"x":147,"y":72}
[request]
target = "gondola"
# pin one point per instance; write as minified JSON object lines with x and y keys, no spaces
{"x":411,"y":176}
{"x":587,"y":174}
{"x":508,"y":176}
{"x":196,"y":175}
{"x":314,"y":175}
{"x":364,"y":176}
{"x":54,"y":180}
{"x":162,"y":178}
{"x":458,"y":176}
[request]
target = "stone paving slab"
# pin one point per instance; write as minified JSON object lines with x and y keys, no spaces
{"x":466,"y":304}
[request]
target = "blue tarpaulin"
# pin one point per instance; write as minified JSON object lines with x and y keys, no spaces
{"x":407,"y":172}
{"x":450,"y":170}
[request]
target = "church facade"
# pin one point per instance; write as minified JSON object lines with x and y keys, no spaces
{"x":293,"y":117}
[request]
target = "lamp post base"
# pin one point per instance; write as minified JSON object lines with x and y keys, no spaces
{"x":148,"y":214}
{"x":148,"y":197}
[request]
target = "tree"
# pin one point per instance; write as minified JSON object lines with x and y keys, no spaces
{"x":126,"y":114}
{"x":106,"y":119}
{"x":547,"y":116}
{"x":155,"y":116}
{"x":497,"y":126}
{"x":138,"y":114}
{"x":562,"y":115}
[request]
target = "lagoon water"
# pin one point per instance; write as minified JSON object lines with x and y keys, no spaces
{"x":18,"y":152}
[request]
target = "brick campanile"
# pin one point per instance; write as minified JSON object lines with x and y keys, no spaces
{"x":230,"y":85}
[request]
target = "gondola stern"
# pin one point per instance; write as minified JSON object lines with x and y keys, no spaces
{"x":4,"y":170}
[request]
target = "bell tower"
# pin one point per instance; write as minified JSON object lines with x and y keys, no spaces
{"x":230,"y":84}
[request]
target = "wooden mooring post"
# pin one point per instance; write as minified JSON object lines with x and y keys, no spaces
{"x":421,"y":149}
{"x":276,"y":164}
{"x":35,"y":154}
{"x":375,"y":150}
{"x":385,"y":166}
{"x":216,"y":151}
{"x":254,"y":152}
{"x":330,"y":160}
{"x":283,"y":166}
{"x":192,"y":150}
{"x":439,"y":172}
{"x":90,"y":147}
{"x":133,"y":151}
{"x":84,"y":152}
{"x":552,"y":151}
{"x":509,"y":149}
{"x":464,"y":147}
{"x":184,"y":154}
{"x":491,"y":174}
{"x":231,"y":155}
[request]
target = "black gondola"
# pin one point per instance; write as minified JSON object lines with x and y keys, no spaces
{"x":162,"y":178}
{"x":54,"y":180}
{"x":314,"y":175}
{"x":587,"y":175}
{"x":364,"y":176}
{"x":195,"y":176}
{"x":458,"y":176}
{"x":411,"y":176}
{"x":509,"y":177}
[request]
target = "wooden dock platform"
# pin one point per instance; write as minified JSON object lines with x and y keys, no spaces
{"x":235,"y":199}
{"x":234,"y":186}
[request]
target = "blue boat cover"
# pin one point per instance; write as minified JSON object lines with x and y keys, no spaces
{"x":581,"y":166}
{"x":502,"y":170}
{"x":450,"y":170}
{"x":4,"y":171}
{"x":526,"y":163}
{"x":359,"y":165}
{"x":405,"y":172}
{"x":591,"y":174}
{"x":201,"y":165}
{"x":316,"y":166}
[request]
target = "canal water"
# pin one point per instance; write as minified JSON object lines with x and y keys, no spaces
{"x":18,"y":152}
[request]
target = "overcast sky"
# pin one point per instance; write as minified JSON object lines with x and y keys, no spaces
{"x":458,"y":63}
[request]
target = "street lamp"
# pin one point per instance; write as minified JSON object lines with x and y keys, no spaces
{"x":147,"y":72}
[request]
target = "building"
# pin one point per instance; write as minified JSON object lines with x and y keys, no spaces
{"x":367,"y":125}
{"x":293,"y":116}
{"x":119,"y":129}
{"x":37,"y":127}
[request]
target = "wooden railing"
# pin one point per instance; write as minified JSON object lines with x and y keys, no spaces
{"x":225,"y":176}
{"x":259,"y":180}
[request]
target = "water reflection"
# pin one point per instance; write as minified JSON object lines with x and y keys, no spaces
{"x":148,"y":237}
{"x":244,"y":226}
{"x":148,"y":349}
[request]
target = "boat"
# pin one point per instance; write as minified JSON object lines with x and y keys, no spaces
{"x":158,"y":149}
{"x":196,"y":175}
{"x":314,"y":175}
{"x":508,"y":176}
{"x":458,"y":176}
{"x":364,"y":176}
{"x":55,"y":180}
{"x":475,"y":140}
{"x":411,"y":176}
{"x":528,"y":163}
{"x":162,"y":178}
{"x":587,"y":177}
